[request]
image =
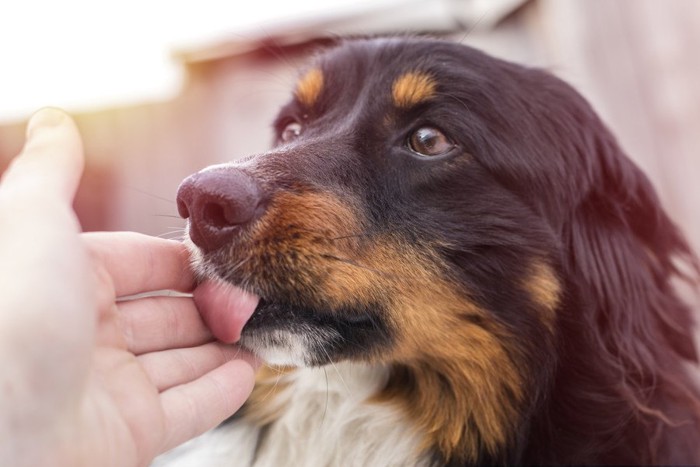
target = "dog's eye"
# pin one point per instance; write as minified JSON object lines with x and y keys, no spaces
{"x":429,"y":141}
{"x":290,"y":131}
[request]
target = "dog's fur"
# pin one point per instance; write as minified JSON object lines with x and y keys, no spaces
{"x":503,"y":296}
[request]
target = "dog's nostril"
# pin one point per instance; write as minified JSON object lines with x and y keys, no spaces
{"x":215,"y":215}
{"x":218,"y":203}
{"x":182,"y":208}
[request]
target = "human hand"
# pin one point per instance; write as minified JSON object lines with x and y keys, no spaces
{"x":88,"y":379}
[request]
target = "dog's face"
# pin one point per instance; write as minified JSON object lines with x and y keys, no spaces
{"x":375,"y":228}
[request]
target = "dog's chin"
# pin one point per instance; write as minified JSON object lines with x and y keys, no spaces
{"x":283,"y":334}
{"x":283,"y":348}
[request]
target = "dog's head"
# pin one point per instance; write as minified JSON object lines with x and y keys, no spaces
{"x":452,"y":214}
{"x":395,"y":207}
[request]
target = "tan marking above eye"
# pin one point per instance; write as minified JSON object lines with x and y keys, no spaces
{"x":412,"y":88}
{"x":309,"y":87}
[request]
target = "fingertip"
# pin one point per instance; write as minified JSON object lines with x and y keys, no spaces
{"x":51,"y":161}
{"x":46,"y":117}
{"x":52,"y":130}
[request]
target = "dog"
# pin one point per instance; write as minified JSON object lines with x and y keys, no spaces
{"x":447,"y":260}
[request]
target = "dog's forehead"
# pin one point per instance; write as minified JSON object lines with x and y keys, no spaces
{"x":389,"y":70}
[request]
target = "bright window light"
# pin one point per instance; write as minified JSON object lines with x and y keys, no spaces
{"x":89,"y":54}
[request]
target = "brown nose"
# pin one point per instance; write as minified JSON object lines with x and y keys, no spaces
{"x":218,"y":203}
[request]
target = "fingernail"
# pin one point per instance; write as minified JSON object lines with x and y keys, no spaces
{"x":45,"y":118}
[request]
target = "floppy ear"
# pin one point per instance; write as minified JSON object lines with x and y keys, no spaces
{"x":625,"y":249}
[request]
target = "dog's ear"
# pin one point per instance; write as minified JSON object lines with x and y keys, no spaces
{"x":627,"y":251}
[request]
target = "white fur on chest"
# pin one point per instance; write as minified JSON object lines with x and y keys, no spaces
{"x":325,"y":419}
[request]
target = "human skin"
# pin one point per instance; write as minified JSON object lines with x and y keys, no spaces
{"x":87,"y":377}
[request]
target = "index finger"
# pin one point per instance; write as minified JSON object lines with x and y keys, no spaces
{"x":140,"y":263}
{"x":51,"y":161}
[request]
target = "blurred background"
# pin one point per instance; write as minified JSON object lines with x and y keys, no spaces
{"x":161,"y":89}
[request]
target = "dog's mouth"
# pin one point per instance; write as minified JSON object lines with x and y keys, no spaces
{"x":282,"y":333}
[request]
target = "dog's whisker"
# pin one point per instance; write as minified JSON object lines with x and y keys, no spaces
{"x":342,"y":380}
{"x":352,"y":236}
{"x":357,"y":265}
{"x":234,"y":268}
{"x":458,"y":100}
{"x":355,"y":343}
{"x":173,"y":235}
{"x":469,"y":29}
{"x":325,"y":408}
{"x":161,"y":198}
{"x":272,"y":389}
{"x":276,"y":50}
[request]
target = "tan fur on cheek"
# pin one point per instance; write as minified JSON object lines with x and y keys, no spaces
{"x":485,"y":386}
{"x":304,"y":244}
{"x":461,"y":370}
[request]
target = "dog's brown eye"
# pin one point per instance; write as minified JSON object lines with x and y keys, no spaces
{"x":290,"y":131}
{"x":429,"y":141}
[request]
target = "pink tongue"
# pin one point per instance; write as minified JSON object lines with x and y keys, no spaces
{"x":225,"y":309}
